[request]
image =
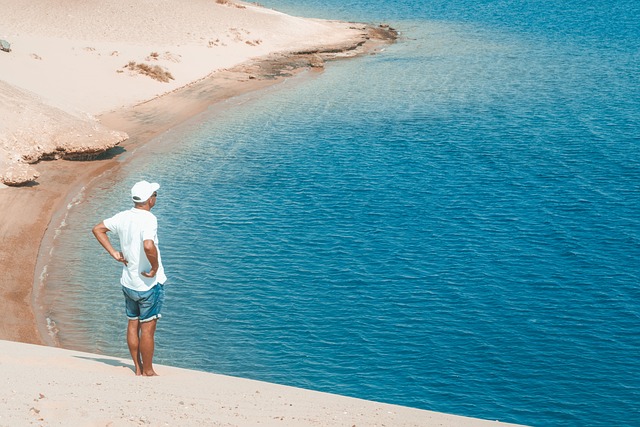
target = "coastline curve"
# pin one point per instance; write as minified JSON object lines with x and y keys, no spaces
{"x":147,"y":120}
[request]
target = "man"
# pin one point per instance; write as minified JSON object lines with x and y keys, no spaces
{"x":143,"y":276}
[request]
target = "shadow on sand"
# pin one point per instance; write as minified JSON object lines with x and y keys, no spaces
{"x":110,"y":362}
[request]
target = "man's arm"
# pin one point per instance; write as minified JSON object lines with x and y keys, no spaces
{"x":151,"y":252}
{"x":100,"y":231}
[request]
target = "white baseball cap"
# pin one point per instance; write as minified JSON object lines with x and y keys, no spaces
{"x":143,"y":190}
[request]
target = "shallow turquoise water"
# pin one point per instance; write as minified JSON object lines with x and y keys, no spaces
{"x":450,"y":224}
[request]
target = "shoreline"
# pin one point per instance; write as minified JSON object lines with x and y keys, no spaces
{"x":25,"y":236}
{"x":59,"y":380}
{"x":211,"y":398}
{"x":149,"y":119}
{"x":52,"y":385}
{"x":83,"y":53}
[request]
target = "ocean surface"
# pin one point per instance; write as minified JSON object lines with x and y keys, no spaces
{"x":451,"y":224}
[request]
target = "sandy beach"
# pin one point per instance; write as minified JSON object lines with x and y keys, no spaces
{"x":64,"y":387}
{"x":84,"y":83}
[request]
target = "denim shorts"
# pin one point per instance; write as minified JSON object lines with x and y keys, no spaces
{"x":144,"y":306}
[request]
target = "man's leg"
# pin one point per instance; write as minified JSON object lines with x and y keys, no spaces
{"x":147,"y":346}
{"x":133,"y":341}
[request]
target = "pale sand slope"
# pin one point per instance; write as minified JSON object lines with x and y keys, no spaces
{"x":72,"y":53}
{"x":55,"y":387}
{"x":74,"y":56}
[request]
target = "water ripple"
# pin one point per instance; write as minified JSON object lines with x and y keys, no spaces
{"x":458,"y":234}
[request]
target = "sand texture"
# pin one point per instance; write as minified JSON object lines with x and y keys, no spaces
{"x":56,"y":387}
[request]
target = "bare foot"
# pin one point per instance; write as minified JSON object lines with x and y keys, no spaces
{"x":150,"y":374}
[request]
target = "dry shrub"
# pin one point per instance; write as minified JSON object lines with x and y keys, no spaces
{"x":154,"y":71}
{"x":230,"y":3}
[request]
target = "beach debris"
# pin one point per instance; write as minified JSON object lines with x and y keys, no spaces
{"x":316,"y":61}
{"x":5,"y":46}
{"x":383,"y":32}
{"x":156,"y":72}
{"x":231,"y":3}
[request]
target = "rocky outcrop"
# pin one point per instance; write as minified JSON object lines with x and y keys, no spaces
{"x":13,"y":171}
{"x":31,"y":131}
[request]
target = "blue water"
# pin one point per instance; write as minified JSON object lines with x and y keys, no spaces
{"x":451,"y":224}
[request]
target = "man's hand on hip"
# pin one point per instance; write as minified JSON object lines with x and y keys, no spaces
{"x":150,"y":274}
{"x":119,"y":256}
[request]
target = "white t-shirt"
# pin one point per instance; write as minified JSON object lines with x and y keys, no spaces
{"x":133,"y":228}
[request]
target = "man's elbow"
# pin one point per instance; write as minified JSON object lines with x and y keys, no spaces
{"x":96,"y":230}
{"x":100,"y":230}
{"x":149,"y":246}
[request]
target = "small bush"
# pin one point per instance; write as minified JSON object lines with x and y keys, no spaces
{"x":154,"y":71}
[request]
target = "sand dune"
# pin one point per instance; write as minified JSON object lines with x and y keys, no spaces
{"x":91,"y":57}
{"x":56,"y":387}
